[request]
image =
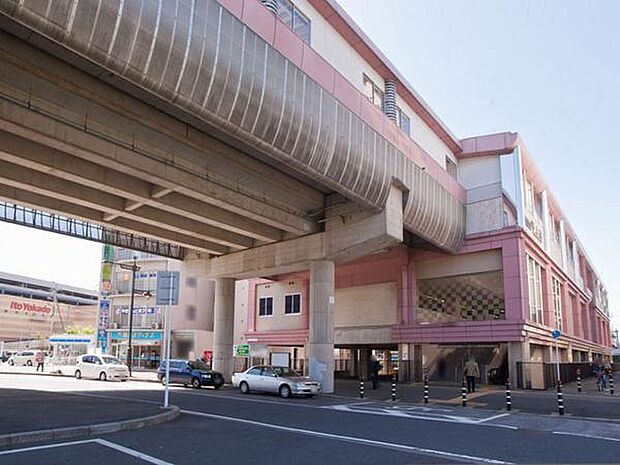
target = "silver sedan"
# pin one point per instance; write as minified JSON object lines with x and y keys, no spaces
{"x":280,"y":380}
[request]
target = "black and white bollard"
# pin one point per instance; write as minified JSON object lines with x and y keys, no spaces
{"x":361,"y":387}
{"x":394,"y":388}
{"x":611,"y":384}
{"x":579,"y":381}
{"x":464,"y":392}
{"x":508,"y":396}
{"x":560,"y":399}
{"x":426,"y":390}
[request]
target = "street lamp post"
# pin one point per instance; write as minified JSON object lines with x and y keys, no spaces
{"x":133,"y":268}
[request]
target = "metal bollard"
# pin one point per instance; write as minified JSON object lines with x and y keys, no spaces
{"x":394,"y":388}
{"x":361,"y":387}
{"x":578,"y":381}
{"x":508,"y":396}
{"x":560,"y":399}
{"x":464,"y":392}
{"x":426,"y":390}
{"x":611,"y":384}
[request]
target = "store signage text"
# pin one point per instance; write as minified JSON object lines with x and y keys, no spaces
{"x":26,"y":307}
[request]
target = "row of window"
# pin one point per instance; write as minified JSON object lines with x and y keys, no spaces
{"x":295,"y":19}
{"x":535,"y":294}
{"x":292,"y":305}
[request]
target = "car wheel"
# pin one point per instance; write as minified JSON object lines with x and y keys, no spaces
{"x":103,"y":376}
{"x":196,"y":383}
{"x":78,"y":374}
{"x":285,"y":391}
{"x":217,"y":386}
{"x":244,"y":388}
{"x":29,"y":363}
{"x":163,"y":380}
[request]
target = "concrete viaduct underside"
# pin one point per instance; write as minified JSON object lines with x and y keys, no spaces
{"x":82,"y":136}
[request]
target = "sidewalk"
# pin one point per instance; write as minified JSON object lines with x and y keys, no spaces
{"x":587,"y":404}
{"x":69,"y":370}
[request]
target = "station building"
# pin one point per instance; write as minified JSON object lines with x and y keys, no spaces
{"x":520,"y":273}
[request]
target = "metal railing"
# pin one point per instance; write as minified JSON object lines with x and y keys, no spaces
{"x":25,"y":216}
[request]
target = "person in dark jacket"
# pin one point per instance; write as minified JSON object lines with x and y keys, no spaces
{"x":375,"y":368}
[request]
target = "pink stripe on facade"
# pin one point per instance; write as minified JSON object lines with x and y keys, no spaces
{"x":262,"y":22}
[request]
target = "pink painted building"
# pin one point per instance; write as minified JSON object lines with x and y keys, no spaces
{"x":520,"y":272}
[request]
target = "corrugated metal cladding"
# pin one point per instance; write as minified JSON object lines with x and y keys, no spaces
{"x":197,"y":55}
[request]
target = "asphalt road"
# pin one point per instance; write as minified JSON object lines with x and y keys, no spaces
{"x":225,"y":427}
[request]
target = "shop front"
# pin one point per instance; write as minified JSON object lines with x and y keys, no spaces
{"x":146,"y":347}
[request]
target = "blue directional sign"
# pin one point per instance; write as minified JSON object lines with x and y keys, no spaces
{"x":167,"y":288}
{"x":555,"y":334}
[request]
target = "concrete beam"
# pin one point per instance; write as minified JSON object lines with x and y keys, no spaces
{"x":26,"y":153}
{"x":347,"y":237}
{"x":150,"y":168}
{"x":61,"y":207}
{"x":52,"y":186}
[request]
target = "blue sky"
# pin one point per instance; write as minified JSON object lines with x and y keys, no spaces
{"x":548,"y":70}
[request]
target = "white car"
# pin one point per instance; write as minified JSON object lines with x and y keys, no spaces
{"x":102,"y":367}
{"x":279,"y":380}
{"x":25,"y":357}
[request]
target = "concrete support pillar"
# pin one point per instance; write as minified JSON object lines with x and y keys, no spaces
{"x":364,"y":363}
{"x":321,"y":331}
{"x":517,"y":352}
{"x":223,"y":326}
{"x":406,"y":352}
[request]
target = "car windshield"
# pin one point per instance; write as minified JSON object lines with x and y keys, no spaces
{"x":198,"y":365}
{"x":111,"y":360}
{"x":285,"y":371}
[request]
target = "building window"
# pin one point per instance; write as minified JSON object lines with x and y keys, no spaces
{"x":292,"y":304}
{"x":404,"y":123}
{"x":557,"y":303}
{"x":534,"y":276}
{"x":373,"y":92}
{"x":290,"y":14}
{"x":265,"y":306}
{"x":451,"y":167}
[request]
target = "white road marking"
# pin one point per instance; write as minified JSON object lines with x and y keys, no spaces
{"x":133,"y":453}
{"x":493,"y":417}
{"x":102,"y":442}
{"x":48,"y":446}
{"x":589,"y":436}
{"x":369,"y":442}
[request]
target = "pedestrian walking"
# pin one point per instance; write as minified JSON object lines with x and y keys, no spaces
{"x":471,"y":373}
{"x":375,"y":368}
{"x":598,"y":374}
{"x":40,"y":359}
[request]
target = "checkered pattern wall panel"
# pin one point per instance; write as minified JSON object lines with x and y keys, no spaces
{"x":472,"y":297}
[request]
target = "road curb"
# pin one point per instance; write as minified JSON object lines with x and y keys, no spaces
{"x":75,"y":432}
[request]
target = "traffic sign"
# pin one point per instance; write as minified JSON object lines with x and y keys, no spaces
{"x":167,"y":288}
{"x":555,"y":334}
{"x":241,"y":350}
